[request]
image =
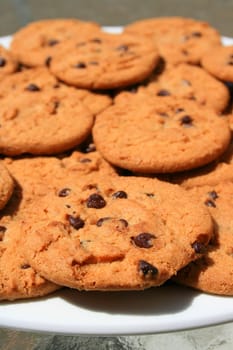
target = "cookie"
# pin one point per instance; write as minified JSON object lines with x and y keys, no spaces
{"x":179,"y":40}
{"x":115,"y":234}
{"x":212,"y":174}
{"x":219,"y":63}
{"x":6,"y":185}
{"x":191,"y":83}
{"x":104,"y":61}
{"x":160,"y":134}
{"x":35,"y":44}
{"x":8,"y":63}
{"x":43,"y":121}
{"x":213,"y":273}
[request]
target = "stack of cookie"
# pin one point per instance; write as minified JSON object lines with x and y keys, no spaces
{"x":81,"y":109}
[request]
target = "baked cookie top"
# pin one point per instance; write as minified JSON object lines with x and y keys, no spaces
{"x":8,"y":63}
{"x":43,"y":121}
{"x":115,"y":234}
{"x":18,"y":279}
{"x":6,"y":185}
{"x":160,"y":134}
{"x":179,"y":40}
{"x":219,"y":63}
{"x":213,"y":272}
{"x":104,"y":61}
{"x":35,"y":44}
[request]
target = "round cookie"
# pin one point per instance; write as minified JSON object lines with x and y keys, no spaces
{"x":160,"y":134}
{"x":39,"y":79}
{"x":185,"y":81}
{"x":35,"y":44}
{"x":213,"y":273}
{"x":116,"y":234}
{"x":8,"y":64}
{"x":104,"y":61}
{"x":219,"y":63}
{"x":6,"y":185}
{"x":43,"y":121}
{"x":179,"y":40}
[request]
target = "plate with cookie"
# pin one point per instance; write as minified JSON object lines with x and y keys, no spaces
{"x":116,"y":178}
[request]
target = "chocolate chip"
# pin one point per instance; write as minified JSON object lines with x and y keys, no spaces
{"x":64,"y":192}
{"x":85,"y":160}
{"x":143,"y":240}
{"x":80,"y":65}
{"x":163,"y":93}
{"x":150,"y":195}
{"x":48,"y":61}
{"x":122,"y":48}
{"x":197,"y":34}
{"x":53,"y":42}
{"x":32,"y":87}
{"x":179,"y":110}
{"x":120,"y":194}
{"x":25,"y":266}
{"x":96,"y":201}
{"x":147,"y":270}
{"x":213,"y":195}
{"x":210,"y":203}
{"x":2,"y":61}
{"x":198,"y":247}
{"x":75,"y":222}
{"x":96,"y":40}
{"x":164,"y":115}
{"x":102,"y":220}
{"x":186,"y":120}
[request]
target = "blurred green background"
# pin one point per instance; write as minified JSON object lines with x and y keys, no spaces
{"x":16,"y":13}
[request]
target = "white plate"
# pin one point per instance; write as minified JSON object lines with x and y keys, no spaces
{"x":164,"y":309}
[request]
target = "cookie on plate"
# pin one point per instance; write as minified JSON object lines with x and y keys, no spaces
{"x":160,"y":134}
{"x":8,"y":63}
{"x":43,"y":121}
{"x":115,"y":234}
{"x":179,"y":40}
{"x":35,"y":44}
{"x":219,"y":63}
{"x":213,"y":272}
{"x":6,"y":185}
{"x":104,"y":61}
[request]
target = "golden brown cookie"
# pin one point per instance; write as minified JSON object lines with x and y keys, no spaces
{"x":43,"y":121}
{"x":35,"y":44}
{"x":213,"y":273}
{"x":160,"y":134}
{"x":179,"y":40}
{"x":104,"y":61}
{"x":219,"y":63}
{"x":115,"y":234}
{"x":8,"y":63}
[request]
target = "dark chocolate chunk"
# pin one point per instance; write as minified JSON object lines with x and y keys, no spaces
{"x":32,"y":87}
{"x":64,"y":192}
{"x":186,"y":120}
{"x":2,"y":62}
{"x":197,"y":34}
{"x":210,"y":203}
{"x":213,"y":195}
{"x":199,"y":247}
{"x":48,"y":61}
{"x":81,"y":65}
{"x":53,"y":42}
{"x":120,"y":194}
{"x":96,"y":201}
{"x":75,"y":222}
{"x":147,"y":270}
{"x":163,"y":93}
{"x":102,"y":220}
{"x":2,"y":231}
{"x":25,"y":266}
{"x":143,"y":240}
{"x":151,"y":195}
